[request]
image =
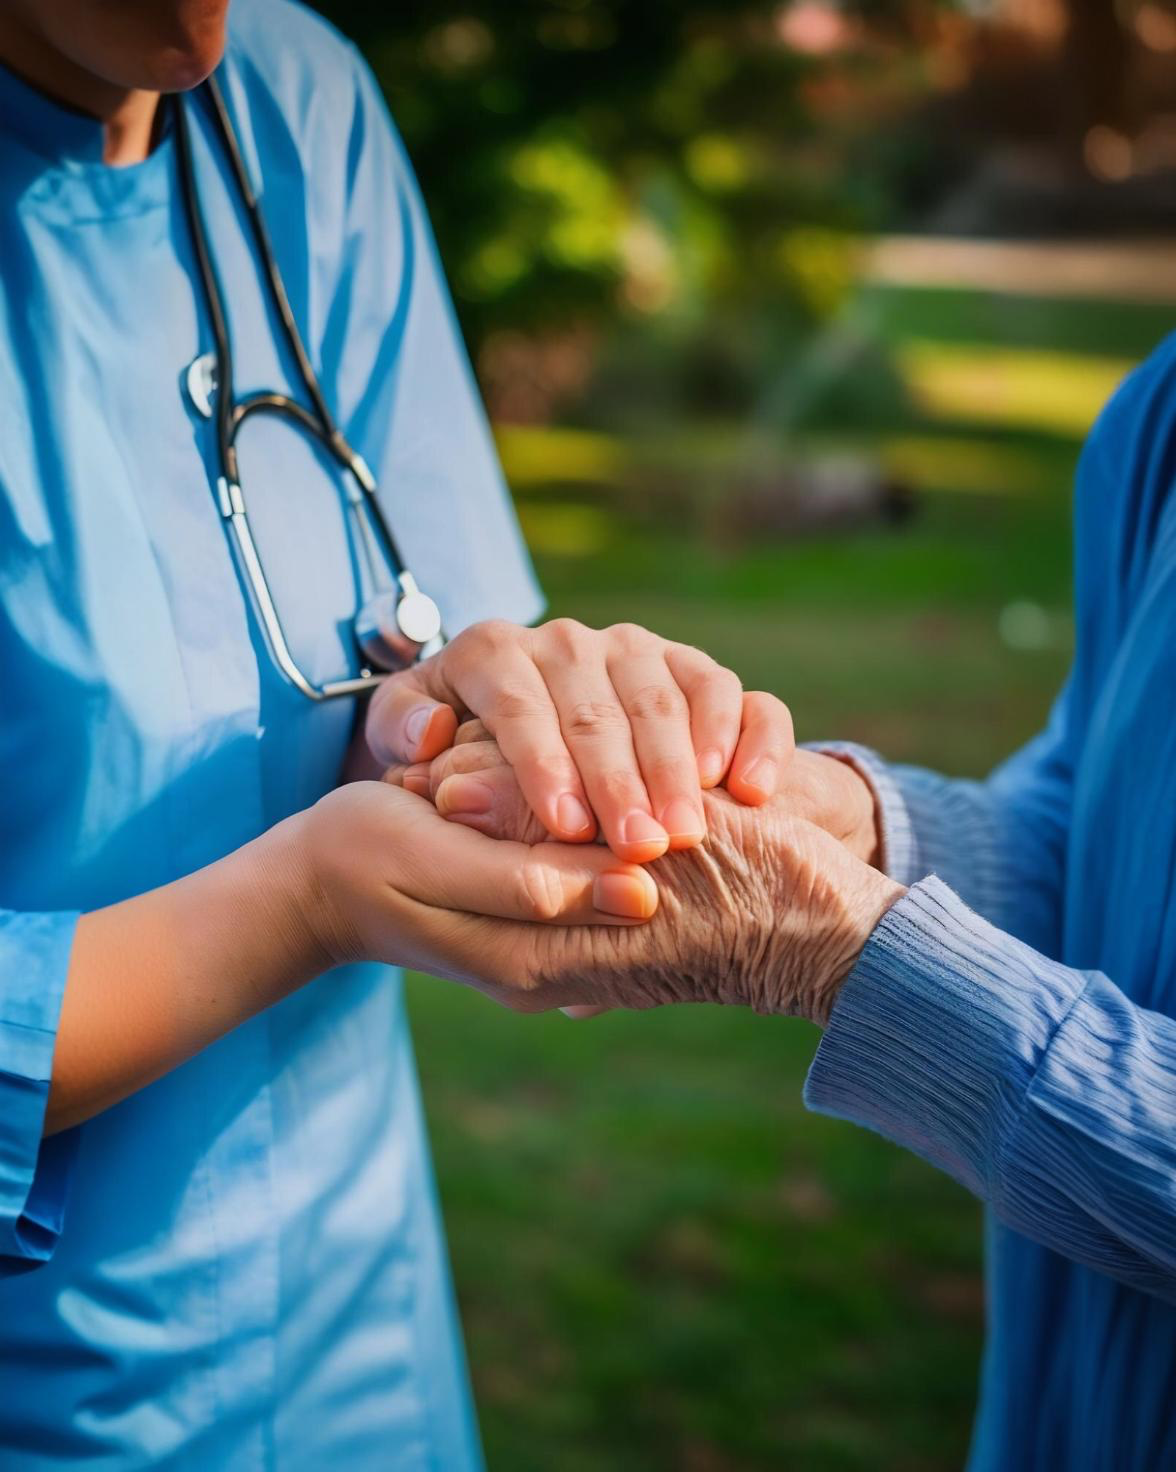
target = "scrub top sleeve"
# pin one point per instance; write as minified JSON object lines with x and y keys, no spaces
{"x":406,"y":392}
{"x":34,"y":1173}
{"x":1043,"y":1089}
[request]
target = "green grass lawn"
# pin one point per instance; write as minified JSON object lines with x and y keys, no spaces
{"x":663,"y":1263}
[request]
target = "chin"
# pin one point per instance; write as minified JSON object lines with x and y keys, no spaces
{"x":163,"y":45}
{"x":180,"y":71}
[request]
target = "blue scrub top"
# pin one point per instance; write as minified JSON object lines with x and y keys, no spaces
{"x":241,"y":1266}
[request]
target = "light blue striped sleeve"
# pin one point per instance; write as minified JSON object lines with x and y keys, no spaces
{"x":1000,"y":844}
{"x":1042,"y":1089}
{"x":34,"y":1173}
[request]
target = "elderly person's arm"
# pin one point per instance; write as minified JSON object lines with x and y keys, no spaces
{"x":1041,"y":1088}
{"x":1000,"y":843}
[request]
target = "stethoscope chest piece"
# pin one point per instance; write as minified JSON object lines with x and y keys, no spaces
{"x":417,"y":616}
{"x":200,"y":381}
{"x":393,"y":628}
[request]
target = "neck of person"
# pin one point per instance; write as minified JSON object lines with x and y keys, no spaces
{"x":129,"y":116}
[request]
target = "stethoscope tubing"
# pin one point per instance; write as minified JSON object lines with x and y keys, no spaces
{"x":376,"y":538}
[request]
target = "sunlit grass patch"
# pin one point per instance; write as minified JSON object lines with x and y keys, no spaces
{"x":1055,"y":392}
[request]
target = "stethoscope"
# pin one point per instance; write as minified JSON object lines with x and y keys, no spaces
{"x":395,"y":625}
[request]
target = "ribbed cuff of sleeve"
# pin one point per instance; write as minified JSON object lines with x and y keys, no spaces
{"x":899,"y":847}
{"x":958,"y":837}
{"x":937,"y":1032}
{"x":34,"y":1174}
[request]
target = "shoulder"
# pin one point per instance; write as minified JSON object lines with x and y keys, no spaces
{"x":289,"y":49}
{"x":301,"y":77}
{"x":1122,"y":504}
{"x":313,"y":124}
{"x":1128,"y":465}
{"x":1132,"y":442}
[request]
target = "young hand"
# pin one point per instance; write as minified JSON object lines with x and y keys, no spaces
{"x":612,"y":726}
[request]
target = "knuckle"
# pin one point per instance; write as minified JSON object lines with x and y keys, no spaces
{"x":771,"y":710}
{"x":592,"y":718}
{"x":540,"y":890}
{"x":567,"y":635}
{"x":515,"y":703}
{"x":656,"y":702}
{"x":702,"y":677}
{"x":492,"y":635}
{"x":696,"y":659}
{"x":471,"y":731}
{"x":475,"y":756}
{"x":724,"y":681}
{"x":631,"y":637}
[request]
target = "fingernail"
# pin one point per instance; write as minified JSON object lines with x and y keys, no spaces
{"x":683,"y":822}
{"x":762,"y":776}
{"x":638,"y":827}
{"x":462,"y":794}
{"x":571,"y":814}
{"x":710,"y":766}
{"x":416,"y":723}
{"x":633,"y":896}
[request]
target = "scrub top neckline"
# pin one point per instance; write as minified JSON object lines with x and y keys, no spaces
{"x":73,"y":178}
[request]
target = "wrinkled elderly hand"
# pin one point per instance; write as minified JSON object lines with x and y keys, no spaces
{"x":771,"y":912}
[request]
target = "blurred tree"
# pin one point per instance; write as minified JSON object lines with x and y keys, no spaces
{"x":662,"y":198}
{"x":1096,"y":56}
{"x":589,"y":158}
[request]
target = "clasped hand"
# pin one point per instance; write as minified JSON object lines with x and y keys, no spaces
{"x":473,"y":859}
{"x":615,"y":727}
{"x":770,"y":912}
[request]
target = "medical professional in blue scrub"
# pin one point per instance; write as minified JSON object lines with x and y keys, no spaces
{"x":219,"y":1242}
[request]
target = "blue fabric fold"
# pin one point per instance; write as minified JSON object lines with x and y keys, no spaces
{"x":34,"y":1177}
{"x":1037,"y":1086}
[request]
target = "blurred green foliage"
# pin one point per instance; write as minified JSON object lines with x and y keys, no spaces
{"x":592,"y":159}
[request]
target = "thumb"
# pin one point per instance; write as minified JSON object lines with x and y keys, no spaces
{"x":405,"y":723}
